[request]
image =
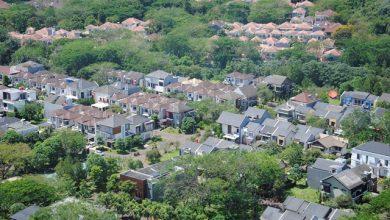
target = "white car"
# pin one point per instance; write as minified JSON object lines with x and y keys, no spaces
{"x":98,"y":152}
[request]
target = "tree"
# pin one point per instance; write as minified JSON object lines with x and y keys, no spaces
{"x":86,"y":101}
{"x":73,"y":210}
{"x":264,"y":94}
{"x":120,"y":145}
{"x":28,"y":191}
{"x":293,"y":154}
{"x":153,"y":156}
{"x":72,"y":169}
{"x":32,"y":112}
{"x":188,"y":125}
{"x":356,"y":127}
{"x":6,"y":81}
{"x":11,"y":156}
{"x":265,"y":11}
{"x":316,"y":121}
{"x":100,"y":169}
{"x":11,"y":137}
{"x":344,"y":201}
{"x":134,"y":164}
{"x":295,"y":173}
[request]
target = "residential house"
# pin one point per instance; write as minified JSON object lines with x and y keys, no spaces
{"x":158,"y":80}
{"x":280,"y":132}
{"x":22,"y":127}
{"x":303,"y":99}
{"x":285,"y":112}
{"x":251,"y":133}
{"x":321,"y":169}
{"x":354,"y":182}
{"x":355,"y":98}
{"x":298,"y":209}
{"x":248,"y":97}
{"x":14,"y":99}
{"x":374,"y":154}
{"x":305,"y":135}
{"x":330,"y":144}
{"x":239,"y":79}
{"x":212,"y":144}
{"x":141,"y":125}
{"x":385,"y":97}
{"x":55,"y":102}
{"x":79,"y":88}
{"x":257,"y":115}
{"x":112,"y":128}
{"x":28,"y":67}
{"x":278,"y":84}
{"x":145,"y":179}
{"x":232,"y":125}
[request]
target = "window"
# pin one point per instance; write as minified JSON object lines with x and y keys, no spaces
{"x":161,"y":83}
{"x":386,"y":163}
{"x":73,"y":93}
{"x":326,"y":187}
{"x":358,"y":156}
{"x":366,"y":159}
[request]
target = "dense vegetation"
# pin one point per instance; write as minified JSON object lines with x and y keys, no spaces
{"x":183,"y":45}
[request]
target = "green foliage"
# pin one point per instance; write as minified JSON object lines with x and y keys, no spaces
{"x":12,"y":156}
{"x":293,"y":154}
{"x":11,"y":136}
{"x":85,"y":101}
{"x":32,"y":112}
{"x":63,"y":143}
{"x":27,"y":191}
{"x":72,"y":170}
{"x":188,"y":125}
{"x":265,"y":11}
{"x":344,"y":201}
{"x":153,"y":156}
{"x":295,"y":173}
{"x":100,"y":169}
{"x":226,"y":183}
{"x":134,"y":164}
{"x":316,"y":121}
{"x":73,"y":210}
{"x":35,"y":51}
{"x":209,"y":111}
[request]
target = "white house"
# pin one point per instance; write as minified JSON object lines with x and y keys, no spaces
{"x":374,"y":154}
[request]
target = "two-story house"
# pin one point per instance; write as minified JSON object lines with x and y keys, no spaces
{"x":232,"y":125}
{"x":356,"y":98}
{"x":79,"y":88}
{"x":158,"y":80}
{"x":374,"y":154}
{"x":277,"y":83}
{"x":14,"y":99}
{"x":330,"y":144}
{"x":55,"y":102}
{"x":321,"y":169}
{"x":239,"y":79}
{"x":354,"y":182}
{"x":112,"y":128}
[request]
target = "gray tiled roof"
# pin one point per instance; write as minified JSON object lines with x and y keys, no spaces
{"x":252,"y":126}
{"x":137,"y":119}
{"x":385,"y":97}
{"x":375,"y":147}
{"x":357,"y":94}
{"x":325,"y":164}
{"x":229,"y":118}
{"x":110,"y":90}
{"x":114,"y":121}
{"x":247,"y":91}
{"x":275,"y":79}
{"x":239,"y":75}
{"x":159,"y":74}
{"x":254,"y":112}
{"x":353,"y":177}
{"x":271,"y":213}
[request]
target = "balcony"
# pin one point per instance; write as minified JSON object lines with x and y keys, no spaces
{"x":232,"y":137}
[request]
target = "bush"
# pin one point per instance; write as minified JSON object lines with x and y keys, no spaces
{"x":153,"y":156}
{"x":188,"y":125}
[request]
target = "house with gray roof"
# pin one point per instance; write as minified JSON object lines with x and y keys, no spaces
{"x":112,"y":128}
{"x":55,"y":102}
{"x":281,"y":132}
{"x":248,"y":97}
{"x":321,"y":169}
{"x":357,"y":98}
{"x":79,"y":88}
{"x":257,"y":115}
{"x":28,"y":67}
{"x":298,"y":209}
{"x":158,"y":80}
{"x":374,"y":154}
{"x":141,"y":125}
{"x":277,"y":83}
{"x":305,"y":135}
{"x":210,"y":145}
{"x":239,"y":79}
{"x":232,"y":125}
{"x":146,"y":178}
{"x":354,"y":182}
{"x":22,"y":127}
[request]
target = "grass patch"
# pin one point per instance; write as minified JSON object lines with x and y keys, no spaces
{"x":169,"y":155}
{"x":334,"y":101}
{"x":307,"y":194}
{"x":172,"y":130}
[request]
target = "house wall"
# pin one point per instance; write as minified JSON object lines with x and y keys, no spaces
{"x":314,"y":177}
{"x":141,"y":186}
{"x":49,"y":108}
{"x":336,"y":188}
{"x":372,"y":160}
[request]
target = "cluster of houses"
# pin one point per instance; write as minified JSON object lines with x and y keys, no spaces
{"x":272,"y":38}
{"x":49,"y":34}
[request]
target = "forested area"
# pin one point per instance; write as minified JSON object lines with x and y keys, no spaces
{"x":182,"y":43}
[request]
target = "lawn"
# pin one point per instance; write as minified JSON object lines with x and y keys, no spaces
{"x":169,"y":155}
{"x":334,"y":101}
{"x":302,"y":192}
